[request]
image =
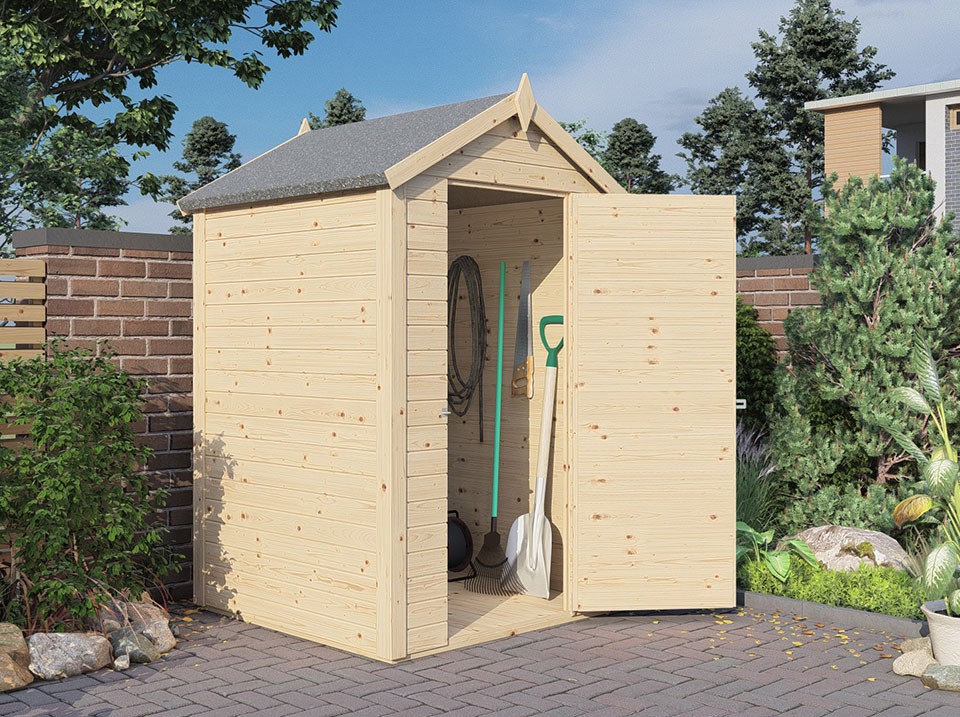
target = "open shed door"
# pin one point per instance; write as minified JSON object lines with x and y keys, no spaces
{"x":652,"y":361}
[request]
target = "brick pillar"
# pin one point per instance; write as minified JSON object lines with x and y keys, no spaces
{"x":135,"y":291}
{"x":776,"y":285}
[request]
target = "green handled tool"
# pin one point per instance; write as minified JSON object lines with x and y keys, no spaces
{"x":530,"y":541}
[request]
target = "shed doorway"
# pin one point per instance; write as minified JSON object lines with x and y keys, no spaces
{"x":493,"y":226}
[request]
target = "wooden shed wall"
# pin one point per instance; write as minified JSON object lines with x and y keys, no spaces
{"x":287,"y":434}
{"x":506,"y":156}
{"x":426,"y":326}
{"x":513,"y":233}
{"x":852,"y":142}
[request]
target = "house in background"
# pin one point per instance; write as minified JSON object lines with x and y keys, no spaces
{"x":926,"y":119}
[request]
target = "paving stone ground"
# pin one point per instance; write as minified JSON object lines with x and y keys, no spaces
{"x":701,"y":665}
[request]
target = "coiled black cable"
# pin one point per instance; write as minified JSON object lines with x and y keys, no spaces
{"x":459,"y":390}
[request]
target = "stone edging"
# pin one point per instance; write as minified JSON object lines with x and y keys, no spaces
{"x":836,"y":615}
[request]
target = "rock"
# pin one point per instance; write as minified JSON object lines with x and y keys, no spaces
{"x":12,"y":643}
{"x":121,"y":663}
{"x":13,"y":675}
{"x":152,"y":621}
{"x":840,"y":548}
{"x":917,"y":643}
{"x":942,"y":677}
{"x":126,"y":641}
{"x":913,"y":663}
{"x":54,"y":656}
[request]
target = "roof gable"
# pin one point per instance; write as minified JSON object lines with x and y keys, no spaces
{"x":387,"y":151}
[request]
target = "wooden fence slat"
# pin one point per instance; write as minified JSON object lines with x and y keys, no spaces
{"x":23,"y":267}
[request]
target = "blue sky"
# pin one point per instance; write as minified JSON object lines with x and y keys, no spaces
{"x":658,"y":61}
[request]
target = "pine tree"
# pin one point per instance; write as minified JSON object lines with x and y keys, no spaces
{"x":629,"y":159}
{"x":887,"y":269}
{"x":342,"y":108}
{"x":814,"y":56}
{"x":207,"y":154}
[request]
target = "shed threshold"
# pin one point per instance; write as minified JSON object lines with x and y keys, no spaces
{"x":474,"y":619}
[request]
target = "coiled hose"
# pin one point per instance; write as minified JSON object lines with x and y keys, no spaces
{"x":459,"y":390}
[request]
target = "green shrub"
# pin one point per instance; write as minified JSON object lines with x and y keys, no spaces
{"x":756,"y":361}
{"x":758,"y":497}
{"x":870,"y":508}
{"x":887,"y":268}
{"x":875,"y":589}
{"x":73,"y":506}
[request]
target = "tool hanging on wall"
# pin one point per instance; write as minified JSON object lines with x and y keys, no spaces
{"x":459,"y":389}
{"x":522,"y":382}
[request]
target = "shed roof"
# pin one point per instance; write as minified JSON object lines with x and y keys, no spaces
{"x":349,"y":156}
{"x":386,"y":151}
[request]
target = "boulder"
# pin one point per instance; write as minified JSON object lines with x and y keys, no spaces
{"x":942,"y":677}
{"x":840,"y":548}
{"x":54,"y":656}
{"x":152,"y":621}
{"x":121,"y":663}
{"x":146,"y":618}
{"x":913,"y":663}
{"x":127,"y":641}
{"x":917,"y":643}
{"x":13,"y":675}
{"x":13,"y":644}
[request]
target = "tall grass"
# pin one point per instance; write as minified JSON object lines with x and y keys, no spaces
{"x":758,"y":499}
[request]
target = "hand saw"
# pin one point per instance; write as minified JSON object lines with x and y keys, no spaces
{"x":522,"y":383}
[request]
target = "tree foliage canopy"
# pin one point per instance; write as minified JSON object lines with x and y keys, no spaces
{"x":207,"y":154}
{"x":342,"y":108}
{"x":629,"y":158}
{"x":625,"y":152}
{"x":888,"y":269}
{"x":769,"y":152}
{"x":79,"y":54}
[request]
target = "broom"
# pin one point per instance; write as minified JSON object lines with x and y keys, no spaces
{"x":491,"y":561}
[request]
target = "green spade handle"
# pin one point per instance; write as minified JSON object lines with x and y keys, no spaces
{"x":552,"y":351}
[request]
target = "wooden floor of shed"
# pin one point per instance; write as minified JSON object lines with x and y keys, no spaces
{"x":474,"y":619}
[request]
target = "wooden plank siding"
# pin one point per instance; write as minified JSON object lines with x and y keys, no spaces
{"x":426,"y":386}
{"x":286,"y":359}
{"x":651,"y":403}
{"x":852,"y":142}
{"x":508,"y":157}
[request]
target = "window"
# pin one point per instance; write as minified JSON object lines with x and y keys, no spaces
{"x":953,"y":117}
{"x":922,"y":155}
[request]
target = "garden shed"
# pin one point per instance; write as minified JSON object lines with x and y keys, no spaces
{"x":325,"y":461}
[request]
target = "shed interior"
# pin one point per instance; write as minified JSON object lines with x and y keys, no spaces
{"x":493,"y":226}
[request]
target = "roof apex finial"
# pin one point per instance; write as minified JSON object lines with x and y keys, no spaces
{"x":525,"y":102}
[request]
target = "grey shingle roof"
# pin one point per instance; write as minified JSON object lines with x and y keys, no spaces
{"x":350,"y":156}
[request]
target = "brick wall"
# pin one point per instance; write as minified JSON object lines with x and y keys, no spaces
{"x":776,"y":285}
{"x":951,"y":178}
{"x":134,"y":290}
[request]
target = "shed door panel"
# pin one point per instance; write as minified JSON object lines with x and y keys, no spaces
{"x":652,"y":413}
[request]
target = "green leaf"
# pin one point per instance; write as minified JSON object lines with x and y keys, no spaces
{"x":912,"y":398}
{"x":939,"y":569}
{"x":742,"y":552}
{"x":803,"y":551}
{"x":941,"y":476}
{"x":905,"y":442}
{"x":953,"y":602}
{"x":911,"y":508}
{"x":778,"y":562}
{"x":923,"y":365}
